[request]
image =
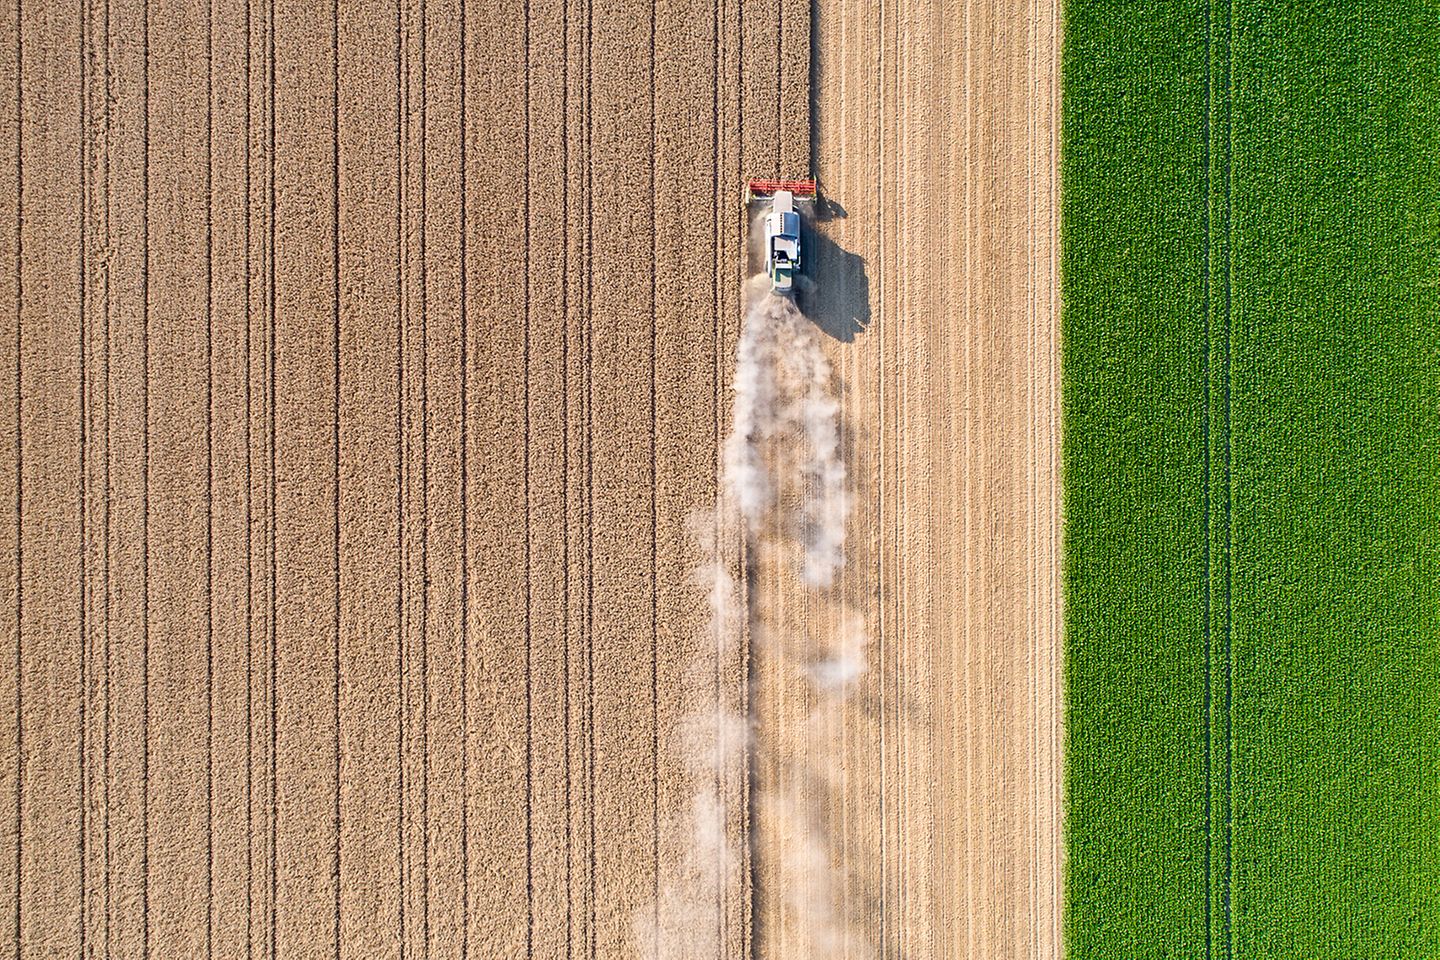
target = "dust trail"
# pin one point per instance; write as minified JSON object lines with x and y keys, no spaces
{"x":688,"y":921}
{"x":784,"y":446}
{"x":783,"y":389}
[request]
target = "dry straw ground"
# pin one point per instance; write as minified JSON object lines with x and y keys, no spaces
{"x":368,"y":364}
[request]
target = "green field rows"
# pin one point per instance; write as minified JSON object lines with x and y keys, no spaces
{"x":1251,"y":340}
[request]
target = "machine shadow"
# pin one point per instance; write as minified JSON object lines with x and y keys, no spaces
{"x":838,"y":298}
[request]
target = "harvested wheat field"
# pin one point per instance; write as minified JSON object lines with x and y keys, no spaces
{"x":429,"y":540}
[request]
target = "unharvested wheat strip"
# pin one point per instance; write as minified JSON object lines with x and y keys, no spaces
{"x":694,"y":878}
{"x":414,"y":480}
{"x":230,"y":347}
{"x":621,"y":319}
{"x":259,"y":781}
{"x":576,"y":574}
{"x":545,"y":281}
{"x":445,"y":744}
{"x":793,"y":86}
{"x":760,"y":133}
{"x":10,"y":488}
{"x":126,"y":403}
{"x":305,"y":509}
{"x":179,"y":493}
{"x":414,"y":539}
{"x":93,"y":481}
{"x":49,"y":611}
{"x":369,"y":520}
{"x":731,"y":671}
{"x":498,"y":180}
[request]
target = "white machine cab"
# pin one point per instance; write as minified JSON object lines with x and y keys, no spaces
{"x":782,"y":241}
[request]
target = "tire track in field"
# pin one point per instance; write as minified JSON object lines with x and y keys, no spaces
{"x":1217,"y":505}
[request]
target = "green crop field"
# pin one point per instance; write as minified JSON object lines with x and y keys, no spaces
{"x":1251,"y":340}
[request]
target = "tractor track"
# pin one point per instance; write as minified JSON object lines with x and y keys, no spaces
{"x":1218,"y":535}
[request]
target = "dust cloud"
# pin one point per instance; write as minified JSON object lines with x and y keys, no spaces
{"x":783,"y":477}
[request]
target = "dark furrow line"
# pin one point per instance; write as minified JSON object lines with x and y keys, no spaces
{"x":654,"y":523}
{"x":84,"y":398}
{"x":145,"y":487}
{"x":750,"y":946}
{"x":565,"y":473}
{"x":335,"y":436}
{"x":105,"y":736}
{"x":529,"y":593}
{"x":1219,"y":146}
{"x":464,"y":509}
{"x":209,"y":480}
{"x":406,"y":739}
{"x":588,"y":632}
{"x":272,"y":633}
{"x":249,"y":538}
{"x":402,"y":276}
{"x":19,"y":469}
{"x":424,"y":497}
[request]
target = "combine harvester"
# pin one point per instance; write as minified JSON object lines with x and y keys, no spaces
{"x":782,"y":227}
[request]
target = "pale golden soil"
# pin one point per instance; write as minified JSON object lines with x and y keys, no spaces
{"x":368,"y":366}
